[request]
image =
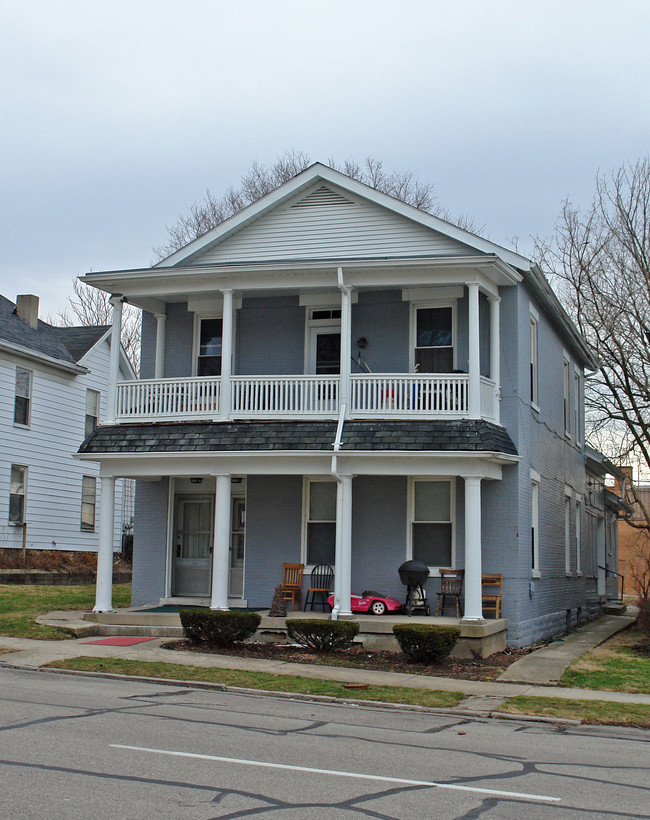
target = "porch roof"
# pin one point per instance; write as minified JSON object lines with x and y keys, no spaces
{"x":247,"y":436}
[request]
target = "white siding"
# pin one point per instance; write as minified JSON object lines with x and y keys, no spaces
{"x":320,"y":226}
{"x":58,"y":411}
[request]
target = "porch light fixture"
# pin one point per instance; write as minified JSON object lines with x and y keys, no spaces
{"x":362,"y":343}
{"x":196,"y":480}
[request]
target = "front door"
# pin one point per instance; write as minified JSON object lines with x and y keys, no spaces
{"x":237,"y":547}
{"x":192,"y":550}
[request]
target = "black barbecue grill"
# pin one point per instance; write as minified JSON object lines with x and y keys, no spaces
{"x":413,"y":574}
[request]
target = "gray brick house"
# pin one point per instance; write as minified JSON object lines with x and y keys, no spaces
{"x":332,"y":375}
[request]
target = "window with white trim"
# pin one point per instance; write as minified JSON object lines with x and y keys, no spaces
{"x":578,"y":534}
{"x":566,"y":380}
{"x":534,"y":375}
{"x":567,"y":531}
{"x":577,"y":419}
{"x":92,"y":411}
{"x":88,"y":502}
{"x":23,"y":397}
{"x":433,"y":339}
{"x":319,"y":522}
{"x":431,"y":524}
{"x":17,"y":494}
{"x":534,"y":522}
{"x":208,"y":349}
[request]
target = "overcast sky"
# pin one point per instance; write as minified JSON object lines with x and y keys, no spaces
{"x":117,"y":116}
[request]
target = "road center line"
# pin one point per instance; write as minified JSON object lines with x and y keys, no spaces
{"x":358,"y":776}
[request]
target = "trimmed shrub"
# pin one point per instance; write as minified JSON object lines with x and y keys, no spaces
{"x":218,"y":628}
{"x":321,"y":635}
{"x":644,"y":615}
{"x":426,"y":643}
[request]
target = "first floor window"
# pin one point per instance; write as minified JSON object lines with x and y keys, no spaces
{"x":567,"y":533}
{"x":22,"y":396}
{"x":534,"y":522}
{"x":92,"y":411}
{"x":88,"y":502}
{"x":17,"y":494}
{"x":209,"y":352}
{"x":578,"y":537}
{"x":534,"y":323}
{"x":321,"y":522}
{"x":431,"y":523}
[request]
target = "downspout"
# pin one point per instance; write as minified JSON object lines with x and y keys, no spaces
{"x":335,"y":475}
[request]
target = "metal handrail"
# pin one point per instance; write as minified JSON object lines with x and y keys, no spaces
{"x":609,"y":571}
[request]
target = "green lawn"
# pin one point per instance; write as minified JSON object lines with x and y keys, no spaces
{"x":588,"y":711}
{"x":263,"y":680}
{"x":613,"y":666}
{"x":19,"y":606}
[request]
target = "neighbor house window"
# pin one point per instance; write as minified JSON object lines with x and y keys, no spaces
{"x":17,"y":492}
{"x":92,"y":411}
{"x":320,"y":522}
{"x":534,"y":522}
{"x":578,"y":535}
{"x":577,"y":426}
{"x":431,"y":522}
{"x":88,"y":502}
{"x":23,"y":397}
{"x":567,"y":531}
{"x":434,"y":339}
{"x":534,"y":376}
{"x":209,"y":347}
{"x":567,"y":398}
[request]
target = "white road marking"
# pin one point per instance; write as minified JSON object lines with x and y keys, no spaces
{"x":267,"y":765}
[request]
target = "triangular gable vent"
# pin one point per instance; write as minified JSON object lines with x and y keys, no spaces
{"x":322,"y":196}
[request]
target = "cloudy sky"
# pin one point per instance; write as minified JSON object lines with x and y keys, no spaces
{"x":117,"y":116}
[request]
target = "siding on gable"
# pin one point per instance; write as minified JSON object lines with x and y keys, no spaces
{"x":324,"y":231}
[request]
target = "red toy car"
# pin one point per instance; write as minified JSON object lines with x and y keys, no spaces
{"x":372,"y":602}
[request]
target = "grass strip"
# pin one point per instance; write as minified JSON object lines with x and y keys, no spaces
{"x":620,"y":670}
{"x":21,"y":604}
{"x":262,"y":680}
{"x":588,"y":711}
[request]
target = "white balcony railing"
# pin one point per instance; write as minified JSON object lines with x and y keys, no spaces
{"x":387,"y":395}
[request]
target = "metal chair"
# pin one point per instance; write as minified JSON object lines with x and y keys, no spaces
{"x":321,"y":580}
{"x":492,"y":584}
{"x":451,"y":586}
{"x":292,"y":583}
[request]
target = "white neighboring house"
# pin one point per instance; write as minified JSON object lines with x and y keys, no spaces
{"x":53,"y":389}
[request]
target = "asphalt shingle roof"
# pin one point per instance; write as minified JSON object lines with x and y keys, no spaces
{"x":479,"y":436}
{"x":67,"y":344}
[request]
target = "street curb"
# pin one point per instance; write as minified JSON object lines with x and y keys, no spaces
{"x":240,"y":690}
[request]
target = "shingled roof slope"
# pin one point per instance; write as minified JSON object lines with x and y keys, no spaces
{"x":410,"y":436}
{"x":79,"y":340}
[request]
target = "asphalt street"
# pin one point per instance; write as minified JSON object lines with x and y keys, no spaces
{"x":88,"y":747}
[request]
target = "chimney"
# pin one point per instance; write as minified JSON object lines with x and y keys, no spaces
{"x":27,"y":308}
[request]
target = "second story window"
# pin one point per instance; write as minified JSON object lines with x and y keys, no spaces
{"x":92,"y":411}
{"x":534,"y":376}
{"x":434,"y":339}
{"x":23,"y":397}
{"x":17,"y":494}
{"x":577,"y":421}
{"x":209,"y":347}
{"x":567,"y":398}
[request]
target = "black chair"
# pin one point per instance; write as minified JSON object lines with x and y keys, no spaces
{"x":319,"y":589}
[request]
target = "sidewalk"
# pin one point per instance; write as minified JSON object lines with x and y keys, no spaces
{"x":542,"y":666}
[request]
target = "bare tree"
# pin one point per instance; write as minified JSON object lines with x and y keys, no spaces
{"x":260,"y":180}
{"x":90,"y":306}
{"x":601,"y":264}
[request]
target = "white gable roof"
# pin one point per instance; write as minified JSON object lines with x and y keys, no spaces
{"x":321,"y":214}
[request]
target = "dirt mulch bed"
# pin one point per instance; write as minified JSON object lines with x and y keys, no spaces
{"x":383,"y":661}
{"x":81,"y":563}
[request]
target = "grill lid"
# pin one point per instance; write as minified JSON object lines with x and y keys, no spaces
{"x":413,"y":572}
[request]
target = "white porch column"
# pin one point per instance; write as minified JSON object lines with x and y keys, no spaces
{"x":221,"y":548}
{"x":474,"y":397}
{"x":343,"y":559}
{"x":346,"y":342}
{"x":159,"y":371}
{"x":495,"y":354}
{"x":473,"y":567}
{"x":226,"y":354}
{"x":114,"y":360}
{"x":104,"y":587}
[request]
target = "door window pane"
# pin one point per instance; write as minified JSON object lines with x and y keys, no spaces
{"x":210,"y":340}
{"x":328,"y":353}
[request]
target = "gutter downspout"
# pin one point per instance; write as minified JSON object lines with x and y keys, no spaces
{"x":346,"y":341}
{"x":334,"y":472}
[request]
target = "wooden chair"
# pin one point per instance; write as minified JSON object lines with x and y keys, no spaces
{"x":317,"y":593}
{"x":451,"y":586}
{"x":492,"y":592}
{"x":292,"y":584}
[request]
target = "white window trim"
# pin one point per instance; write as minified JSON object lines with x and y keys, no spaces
{"x":567,"y":405}
{"x":29,"y":397}
{"x":578,"y":534}
{"x":534,"y":356}
{"x":415,"y":306}
{"x":311,"y":324}
{"x":25,"y":470}
{"x":577,"y":416}
{"x":196,"y":343}
{"x":434,"y":572}
{"x":307,"y":481}
{"x":568,"y":495}
{"x":535,"y":480}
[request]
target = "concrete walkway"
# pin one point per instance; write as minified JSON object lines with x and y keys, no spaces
{"x":540,"y":667}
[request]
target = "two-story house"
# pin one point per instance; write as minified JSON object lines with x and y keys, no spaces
{"x":334,"y":376}
{"x":52,"y":396}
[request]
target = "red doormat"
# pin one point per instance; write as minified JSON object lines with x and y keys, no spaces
{"x":119,"y":641}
